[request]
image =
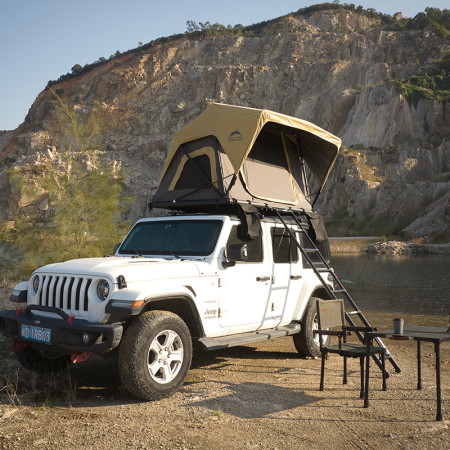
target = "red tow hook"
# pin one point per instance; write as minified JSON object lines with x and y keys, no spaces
{"x":80,"y":357}
{"x":18,"y":312}
{"x":20,"y":345}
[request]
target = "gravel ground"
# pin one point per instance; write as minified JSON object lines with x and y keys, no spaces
{"x":257,"y":396}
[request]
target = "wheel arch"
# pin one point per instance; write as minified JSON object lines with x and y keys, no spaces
{"x":180,"y":304}
{"x":304,"y":297}
{"x":322,"y":293}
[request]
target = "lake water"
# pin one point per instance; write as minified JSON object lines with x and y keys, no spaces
{"x":416,"y":288}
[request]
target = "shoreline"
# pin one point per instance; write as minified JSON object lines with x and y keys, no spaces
{"x":407,"y":248}
{"x":374,"y":246}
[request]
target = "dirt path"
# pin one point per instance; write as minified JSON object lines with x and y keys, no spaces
{"x":258,"y":396}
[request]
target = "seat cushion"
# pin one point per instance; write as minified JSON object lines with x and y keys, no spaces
{"x":352,"y":350}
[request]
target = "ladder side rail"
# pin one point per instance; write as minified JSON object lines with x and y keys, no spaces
{"x":308,"y":259}
{"x":318,"y":275}
{"x":378,"y":340}
{"x":335,"y":278}
{"x":327,"y":288}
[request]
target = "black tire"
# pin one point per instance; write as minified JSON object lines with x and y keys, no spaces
{"x":42,"y":362}
{"x":306,"y":342}
{"x":160,"y":339}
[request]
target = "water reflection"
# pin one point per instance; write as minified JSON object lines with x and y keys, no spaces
{"x":413,"y":287}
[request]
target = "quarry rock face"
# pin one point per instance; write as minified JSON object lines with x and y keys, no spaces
{"x":333,"y":68}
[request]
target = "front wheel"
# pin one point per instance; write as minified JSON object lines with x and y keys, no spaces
{"x":155,"y":355}
{"x":306,"y":341}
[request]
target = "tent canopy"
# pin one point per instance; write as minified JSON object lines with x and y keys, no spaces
{"x":246,"y":155}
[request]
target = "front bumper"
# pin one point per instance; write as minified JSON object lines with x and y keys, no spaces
{"x":68,"y":335}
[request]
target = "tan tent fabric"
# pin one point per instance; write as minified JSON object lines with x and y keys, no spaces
{"x":246,"y":155}
{"x":237,"y":128}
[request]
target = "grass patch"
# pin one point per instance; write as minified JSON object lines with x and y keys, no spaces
{"x":438,"y":178}
{"x":368,"y":173}
{"x":22,"y":387}
{"x":350,"y":245}
{"x":432,"y":85}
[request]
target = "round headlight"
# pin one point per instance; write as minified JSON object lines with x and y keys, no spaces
{"x":103,"y":289}
{"x":35,"y":284}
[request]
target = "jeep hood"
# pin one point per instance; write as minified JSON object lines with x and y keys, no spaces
{"x":133,"y":269}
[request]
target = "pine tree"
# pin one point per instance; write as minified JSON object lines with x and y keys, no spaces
{"x":83,"y":194}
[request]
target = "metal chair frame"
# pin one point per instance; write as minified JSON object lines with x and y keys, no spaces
{"x":331,"y":314}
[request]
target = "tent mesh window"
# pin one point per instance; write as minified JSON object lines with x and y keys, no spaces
{"x":190,"y":176}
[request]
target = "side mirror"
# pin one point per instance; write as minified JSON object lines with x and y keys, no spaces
{"x":116,"y":247}
{"x":237,"y":252}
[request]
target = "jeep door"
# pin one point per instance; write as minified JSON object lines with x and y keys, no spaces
{"x":286,"y":278}
{"x":244,"y":288}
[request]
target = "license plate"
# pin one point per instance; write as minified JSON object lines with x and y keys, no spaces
{"x":35,"y":334}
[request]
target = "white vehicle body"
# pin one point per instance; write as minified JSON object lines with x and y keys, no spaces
{"x":263,"y":295}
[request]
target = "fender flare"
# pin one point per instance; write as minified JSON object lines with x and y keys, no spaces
{"x":181,"y":304}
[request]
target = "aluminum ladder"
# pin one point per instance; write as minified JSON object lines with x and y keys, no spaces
{"x":321,"y":266}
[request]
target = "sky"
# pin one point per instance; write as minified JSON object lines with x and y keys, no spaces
{"x":40,"y":40}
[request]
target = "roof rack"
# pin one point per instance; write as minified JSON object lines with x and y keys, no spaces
{"x":225,"y":206}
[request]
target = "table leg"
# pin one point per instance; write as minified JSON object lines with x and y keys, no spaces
{"x":366,"y":390}
{"x":419,"y":368}
{"x":438,"y":380}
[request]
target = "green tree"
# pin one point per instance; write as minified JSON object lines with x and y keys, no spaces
{"x":77,"y":69}
{"x":79,"y":196}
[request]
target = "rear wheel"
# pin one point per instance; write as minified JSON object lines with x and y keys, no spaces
{"x":42,"y":361}
{"x":155,"y":355}
{"x":307,"y":342}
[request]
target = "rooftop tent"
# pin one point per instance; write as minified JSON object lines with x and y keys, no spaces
{"x":234,"y":154}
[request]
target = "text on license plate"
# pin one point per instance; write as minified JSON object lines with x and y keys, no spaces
{"x":36,"y":334}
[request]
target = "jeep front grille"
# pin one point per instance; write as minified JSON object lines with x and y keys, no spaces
{"x":69,"y":293}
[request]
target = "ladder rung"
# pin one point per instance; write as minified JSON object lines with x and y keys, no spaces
{"x":326,"y":268}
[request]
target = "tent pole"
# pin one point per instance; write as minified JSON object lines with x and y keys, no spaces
{"x":201,"y":172}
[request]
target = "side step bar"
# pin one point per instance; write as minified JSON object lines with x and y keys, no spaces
{"x":234,"y":340}
{"x":341,"y":290}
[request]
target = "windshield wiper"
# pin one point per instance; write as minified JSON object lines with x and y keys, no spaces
{"x":174,"y":254}
{"x":138,"y":253}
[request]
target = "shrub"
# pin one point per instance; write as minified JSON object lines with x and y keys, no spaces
{"x":83,"y":196}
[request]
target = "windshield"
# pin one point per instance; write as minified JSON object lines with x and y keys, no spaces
{"x":170,"y":237}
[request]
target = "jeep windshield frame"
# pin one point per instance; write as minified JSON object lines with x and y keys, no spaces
{"x":172,"y":237}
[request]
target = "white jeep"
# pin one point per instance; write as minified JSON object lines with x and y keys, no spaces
{"x":236,"y":275}
{"x":174,"y":281}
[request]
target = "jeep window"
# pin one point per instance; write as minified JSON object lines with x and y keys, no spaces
{"x":180,"y":237}
{"x":323,"y":247}
{"x":254,"y":246}
{"x":283,"y":247}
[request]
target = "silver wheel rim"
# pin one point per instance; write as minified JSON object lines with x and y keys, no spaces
{"x":316,"y":337}
{"x":165,"y":357}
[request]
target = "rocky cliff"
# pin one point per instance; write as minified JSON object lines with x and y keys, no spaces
{"x":336,"y":68}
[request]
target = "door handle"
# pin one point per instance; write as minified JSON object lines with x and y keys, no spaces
{"x":296,"y":277}
{"x":262,"y":278}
